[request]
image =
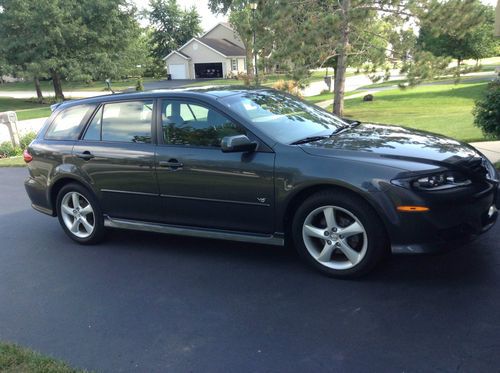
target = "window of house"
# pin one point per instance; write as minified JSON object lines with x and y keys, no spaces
{"x":234,"y":64}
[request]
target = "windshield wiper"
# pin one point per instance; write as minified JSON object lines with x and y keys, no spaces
{"x":351,"y":124}
{"x":309,"y":139}
{"x":339,"y":129}
{"x":336,"y":131}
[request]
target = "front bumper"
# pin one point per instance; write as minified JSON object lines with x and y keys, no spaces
{"x":454,"y":218}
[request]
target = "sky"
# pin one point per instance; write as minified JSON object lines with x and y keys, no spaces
{"x":208,"y":20}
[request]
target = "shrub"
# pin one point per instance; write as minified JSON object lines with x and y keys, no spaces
{"x":139,"y":87}
{"x":289,"y":86}
{"x":487,"y":111}
{"x":27,"y":139}
{"x":8,"y":150}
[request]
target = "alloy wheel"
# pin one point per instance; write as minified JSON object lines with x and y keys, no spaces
{"x":77,"y":214}
{"x":335,"y":237}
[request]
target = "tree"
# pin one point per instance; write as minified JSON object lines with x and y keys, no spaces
{"x":172,"y":26}
{"x":311,"y":33}
{"x":306,"y":34}
{"x":69,"y":39}
{"x":487,"y":111}
{"x":5,"y":68}
{"x":469,"y":37}
{"x":241,"y":21}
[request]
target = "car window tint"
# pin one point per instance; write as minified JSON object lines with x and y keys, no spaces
{"x":94,"y":130}
{"x":127,"y":121}
{"x":66,"y":125}
{"x":195,"y":125}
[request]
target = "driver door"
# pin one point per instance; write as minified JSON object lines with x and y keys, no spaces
{"x":200,"y":186}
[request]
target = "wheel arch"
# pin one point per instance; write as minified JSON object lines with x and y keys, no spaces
{"x":58,"y":184}
{"x":295,"y":201}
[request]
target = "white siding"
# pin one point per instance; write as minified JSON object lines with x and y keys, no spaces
{"x":241,"y":65}
{"x":222,"y":32}
{"x":203,"y":54}
{"x":175,"y":60}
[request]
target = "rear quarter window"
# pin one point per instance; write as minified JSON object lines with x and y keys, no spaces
{"x":67,"y":124}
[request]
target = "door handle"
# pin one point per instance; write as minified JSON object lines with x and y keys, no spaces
{"x":173,"y":164}
{"x":86,"y":155}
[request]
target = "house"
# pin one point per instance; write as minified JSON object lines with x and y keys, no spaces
{"x":215,"y":54}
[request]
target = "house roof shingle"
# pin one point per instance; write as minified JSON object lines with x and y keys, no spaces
{"x":224,"y":46}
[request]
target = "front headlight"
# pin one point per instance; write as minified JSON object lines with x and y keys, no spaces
{"x":491,"y":172}
{"x":440,"y":181}
{"x":435,"y":181}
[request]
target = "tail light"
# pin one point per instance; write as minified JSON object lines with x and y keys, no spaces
{"x":27,"y":156}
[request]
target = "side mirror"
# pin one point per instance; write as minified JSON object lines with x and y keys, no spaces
{"x":235,"y":144}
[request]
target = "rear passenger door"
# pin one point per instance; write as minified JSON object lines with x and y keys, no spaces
{"x":116,"y":153}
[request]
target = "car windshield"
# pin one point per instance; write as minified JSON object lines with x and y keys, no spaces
{"x":282,"y":117}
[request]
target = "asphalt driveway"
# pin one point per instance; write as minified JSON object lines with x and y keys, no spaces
{"x":149,"y":303}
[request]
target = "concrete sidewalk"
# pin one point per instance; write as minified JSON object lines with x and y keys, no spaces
{"x":23,"y":127}
{"x":491,"y":149}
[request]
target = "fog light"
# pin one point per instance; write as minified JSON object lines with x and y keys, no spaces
{"x":492,"y":211}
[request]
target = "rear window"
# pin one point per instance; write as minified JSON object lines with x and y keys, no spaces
{"x":66,"y":125}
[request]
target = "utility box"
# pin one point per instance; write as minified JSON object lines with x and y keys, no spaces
{"x":9,"y":119}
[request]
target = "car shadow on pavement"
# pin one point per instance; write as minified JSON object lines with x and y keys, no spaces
{"x":471,"y":262}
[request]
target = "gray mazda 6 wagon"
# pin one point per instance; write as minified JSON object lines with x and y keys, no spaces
{"x":257,"y":165}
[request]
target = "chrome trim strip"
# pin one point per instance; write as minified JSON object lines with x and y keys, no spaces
{"x":127,"y":192}
{"x":217,"y":200}
{"x":192,"y":232}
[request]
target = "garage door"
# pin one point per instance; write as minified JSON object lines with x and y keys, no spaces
{"x":208,"y":70}
{"x":177,"y":71}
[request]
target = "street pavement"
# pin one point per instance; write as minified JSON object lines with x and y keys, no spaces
{"x":153,"y":303}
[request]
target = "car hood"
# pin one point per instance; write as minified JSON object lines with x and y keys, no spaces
{"x":392,"y":142}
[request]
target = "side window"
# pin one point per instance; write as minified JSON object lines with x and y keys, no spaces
{"x":195,"y":125}
{"x":122,"y":121}
{"x":66,"y":125}
{"x":94,"y":129}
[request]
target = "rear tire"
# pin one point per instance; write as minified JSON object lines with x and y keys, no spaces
{"x":79,"y":214}
{"x":339,"y":234}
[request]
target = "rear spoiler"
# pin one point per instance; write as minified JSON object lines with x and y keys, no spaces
{"x":55,"y":106}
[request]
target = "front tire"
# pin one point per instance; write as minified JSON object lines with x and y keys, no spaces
{"x":79,"y":214}
{"x":339,"y":234}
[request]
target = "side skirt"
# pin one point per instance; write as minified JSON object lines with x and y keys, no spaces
{"x":193,"y":232}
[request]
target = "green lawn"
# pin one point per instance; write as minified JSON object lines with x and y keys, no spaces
{"x":12,"y":162}
{"x":444,"y":80}
{"x":24,"y":109}
{"x":328,"y":96}
{"x":14,"y":359}
{"x":73,"y":86}
{"x":266,"y":80}
{"x":444,"y":109}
